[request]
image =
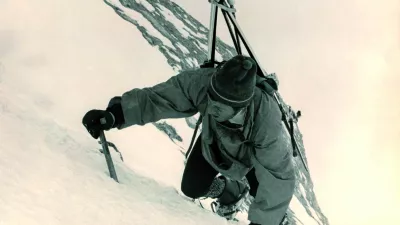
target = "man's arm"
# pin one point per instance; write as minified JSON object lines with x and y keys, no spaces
{"x":177,"y":97}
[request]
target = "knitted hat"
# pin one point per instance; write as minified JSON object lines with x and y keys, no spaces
{"x":233,"y":84}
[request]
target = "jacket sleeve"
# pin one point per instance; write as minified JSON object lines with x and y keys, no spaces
{"x":177,"y":97}
{"x":273,"y":166}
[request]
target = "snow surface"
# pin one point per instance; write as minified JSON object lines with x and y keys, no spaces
{"x":49,"y":174}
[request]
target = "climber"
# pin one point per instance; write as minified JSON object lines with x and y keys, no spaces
{"x":242,"y":136}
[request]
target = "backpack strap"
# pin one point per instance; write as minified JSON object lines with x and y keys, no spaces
{"x":194,"y":136}
{"x":267,"y":84}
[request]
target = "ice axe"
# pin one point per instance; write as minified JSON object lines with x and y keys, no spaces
{"x":107,"y":154}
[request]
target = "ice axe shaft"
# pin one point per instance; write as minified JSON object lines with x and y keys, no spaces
{"x":107,"y":154}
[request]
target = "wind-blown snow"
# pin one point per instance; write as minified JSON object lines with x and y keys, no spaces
{"x":182,"y":48}
{"x":143,"y":22}
{"x":147,"y":5}
{"x":306,"y":205}
{"x":301,"y":213}
{"x":192,"y":62}
{"x":303,"y":191}
{"x":171,"y":17}
{"x":173,"y":56}
{"x":218,"y":56}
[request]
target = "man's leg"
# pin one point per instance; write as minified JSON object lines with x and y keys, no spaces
{"x":199,"y":180}
{"x":198,"y":176}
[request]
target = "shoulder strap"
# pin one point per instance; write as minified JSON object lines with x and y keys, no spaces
{"x":264,"y":84}
{"x":194,"y":135}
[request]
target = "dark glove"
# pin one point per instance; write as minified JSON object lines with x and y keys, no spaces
{"x":97,"y":120}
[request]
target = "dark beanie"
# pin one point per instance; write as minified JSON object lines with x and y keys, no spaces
{"x":233,"y":84}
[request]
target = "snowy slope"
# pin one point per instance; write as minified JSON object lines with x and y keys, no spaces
{"x":50,"y":174}
{"x":57,"y":62}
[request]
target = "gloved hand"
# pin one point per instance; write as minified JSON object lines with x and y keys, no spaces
{"x":97,"y":120}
